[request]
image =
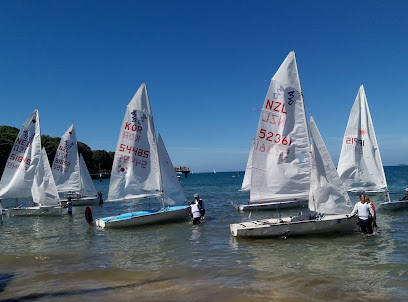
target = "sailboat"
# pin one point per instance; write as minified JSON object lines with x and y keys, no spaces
{"x":328,"y":201}
{"x":278,"y":169}
{"x":360,"y":166}
{"x":44,"y":193}
{"x":142,"y":171}
{"x":25,"y":175}
{"x":71,"y":174}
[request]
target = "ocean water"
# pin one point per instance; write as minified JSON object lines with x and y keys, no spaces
{"x":63,"y":259}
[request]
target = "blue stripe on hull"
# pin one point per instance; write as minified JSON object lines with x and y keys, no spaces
{"x":145,"y":217}
{"x":142,"y":213}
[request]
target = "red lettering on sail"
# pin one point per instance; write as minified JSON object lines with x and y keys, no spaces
{"x":275,"y":106}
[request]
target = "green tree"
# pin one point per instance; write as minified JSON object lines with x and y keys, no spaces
{"x":86,"y":152}
{"x":7,"y":137}
{"x":92,"y":158}
{"x":102,"y":160}
{"x":50,"y":144}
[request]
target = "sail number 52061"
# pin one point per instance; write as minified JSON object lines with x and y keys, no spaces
{"x":277,"y":138}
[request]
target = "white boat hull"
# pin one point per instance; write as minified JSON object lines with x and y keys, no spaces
{"x":367,"y":192}
{"x":37,"y":211}
{"x":169,"y":214}
{"x":272,"y":205}
{"x":82,"y":201}
{"x":394,"y":205}
{"x":287,"y":227}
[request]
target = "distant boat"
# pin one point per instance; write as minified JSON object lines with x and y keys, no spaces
{"x":214,"y":172}
{"x":360,"y":166}
{"x":278,"y":169}
{"x":27,"y":173}
{"x":394,"y":204}
{"x":71,"y":174}
{"x":328,"y":200}
{"x":142,"y":170}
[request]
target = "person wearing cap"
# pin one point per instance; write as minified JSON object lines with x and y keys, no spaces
{"x":406,"y":195}
{"x":200,"y":205}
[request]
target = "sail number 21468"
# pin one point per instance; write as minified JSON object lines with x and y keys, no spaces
{"x":277,"y":138}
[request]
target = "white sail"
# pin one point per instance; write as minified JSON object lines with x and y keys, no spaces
{"x":18,"y":174}
{"x":360,"y":166}
{"x":44,"y":190}
{"x":327,"y":192}
{"x":87,"y":185}
{"x":246,"y":183}
{"x":172,"y":191}
{"x":280,"y":159}
{"x":135,"y":171}
{"x":65,"y":166}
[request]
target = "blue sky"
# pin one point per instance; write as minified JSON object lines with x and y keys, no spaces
{"x":206,"y":65}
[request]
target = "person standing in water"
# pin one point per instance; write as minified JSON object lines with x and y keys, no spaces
{"x":365,"y":214}
{"x":69,"y":206}
{"x":406,"y":195}
{"x":195,"y":212}
{"x":374,"y":217}
{"x":200,"y":205}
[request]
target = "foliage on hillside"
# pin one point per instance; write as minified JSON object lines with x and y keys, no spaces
{"x":95,"y":160}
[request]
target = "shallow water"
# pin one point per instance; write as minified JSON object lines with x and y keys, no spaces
{"x":62,"y":259}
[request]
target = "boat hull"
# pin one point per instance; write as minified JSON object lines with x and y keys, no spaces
{"x":82,"y":201}
{"x":288,"y":227}
{"x":394,"y":205}
{"x":169,"y":214}
{"x":37,"y":211}
{"x":367,"y":192}
{"x":272,"y":205}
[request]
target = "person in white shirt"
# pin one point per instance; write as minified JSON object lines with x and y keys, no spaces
{"x":200,"y":204}
{"x":365,"y":214}
{"x":195,"y":212}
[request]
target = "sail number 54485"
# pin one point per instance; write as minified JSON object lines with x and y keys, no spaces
{"x":137,"y":151}
{"x":277,"y":138}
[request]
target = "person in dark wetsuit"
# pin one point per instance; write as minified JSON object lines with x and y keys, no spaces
{"x":406,"y":195}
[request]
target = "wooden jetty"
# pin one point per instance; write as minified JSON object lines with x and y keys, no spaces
{"x":182,"y":169}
